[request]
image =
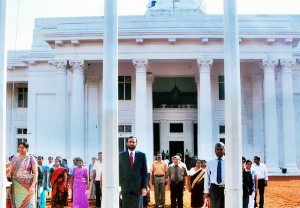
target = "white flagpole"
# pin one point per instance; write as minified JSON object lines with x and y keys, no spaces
{"x":110,"y":175}
{"x":233,"y":133}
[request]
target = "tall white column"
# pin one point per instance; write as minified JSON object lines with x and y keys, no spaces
{"x":110,"y":143}
{"x":205,"y":136}
{"x":3,"y":77}
{"x":257,"y":110}
{"x":189,"y":144}
{"x":61,"y":103}
{"x":77,"y":134}
{"x":270,"y":119}
{"x":150,"y":145}
{"x":164,"y":139}
{"x":100,"y":115}
{"x":233,"y":120}
{"x":288,"y":118}
{"x":141,"y":103}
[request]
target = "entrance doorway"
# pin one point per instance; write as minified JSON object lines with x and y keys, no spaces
{"x":176,"y":147}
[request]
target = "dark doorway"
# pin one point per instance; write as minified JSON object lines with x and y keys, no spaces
{"x":176,"y":147}
{"x":156,"y":138}
{"x":195,"y":139}
{"x":122,"y":144}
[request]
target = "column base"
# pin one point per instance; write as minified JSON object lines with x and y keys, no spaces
{"x":290,"y":166}
{"x":274,"y":170}
{"x":292,"y":171}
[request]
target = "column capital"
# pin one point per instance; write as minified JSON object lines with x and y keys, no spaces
{"x":204,"y":64}
{"x":61,"y":65}
{"x":269,"y":65}
{"x":287,"y":64}
{"x":78,"y":65}
{"x":141,"y":65}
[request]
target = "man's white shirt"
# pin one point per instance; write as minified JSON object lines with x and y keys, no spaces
{"x":98,"y":168}
{"x":261,"y":171}
{"x":211,"y":173}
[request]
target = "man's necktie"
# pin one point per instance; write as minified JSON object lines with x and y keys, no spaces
{"x":131,"y":159}
{"x":219,"y":172}
{"x":176,"y":174}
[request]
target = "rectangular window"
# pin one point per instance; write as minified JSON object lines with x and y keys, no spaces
{"x":221,"y":88}
{"x":21,"y":136}
{"x":125,"y":129}
{"x":22,"y":97}
{"x":222,"y":133}
{"x":21,"y":131}
{"x":221,"y":129}
{"x":176,"y":127}
{"x":124,"y":87}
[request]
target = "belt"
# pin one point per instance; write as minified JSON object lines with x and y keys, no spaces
{"x":159,"y":175}
{"x":218,"y":186}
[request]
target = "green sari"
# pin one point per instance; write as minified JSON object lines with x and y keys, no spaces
{"x":22,"y":178}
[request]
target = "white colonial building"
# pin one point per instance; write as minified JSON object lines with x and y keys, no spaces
{"x":171,"y":85}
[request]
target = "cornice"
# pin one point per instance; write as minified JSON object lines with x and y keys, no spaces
{"x":142,"y":27}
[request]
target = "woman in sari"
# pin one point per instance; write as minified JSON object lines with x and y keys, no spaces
{"x":23,"y":173}
{"x":196,"y":185}
{"x":80,"y":185}
{"x":58,"y":179}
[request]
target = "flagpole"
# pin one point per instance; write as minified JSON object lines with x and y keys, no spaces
{"x":3,"y":67}
{"x":233,"y":150}
{"x":110,"y":174}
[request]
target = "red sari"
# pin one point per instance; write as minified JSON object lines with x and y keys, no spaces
{"x":59,"y":187}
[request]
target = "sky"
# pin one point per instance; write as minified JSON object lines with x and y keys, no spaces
{"x":21,"y":13}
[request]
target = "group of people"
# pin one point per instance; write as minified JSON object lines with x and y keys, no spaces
{"x":254,"y":178}
{"x":176,"y":176}
{"x":205,"y":181}
{"x":31,"y":181}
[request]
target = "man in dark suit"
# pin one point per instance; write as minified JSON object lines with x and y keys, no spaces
{"x":133,"y":175}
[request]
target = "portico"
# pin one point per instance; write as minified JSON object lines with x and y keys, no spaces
{"x":66,"y":73}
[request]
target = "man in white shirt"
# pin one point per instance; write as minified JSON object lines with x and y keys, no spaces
{"x":214,"y":178}
{"x":51,"y":163}
{"x":97,"y":178}
{"x":262,"y":176}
